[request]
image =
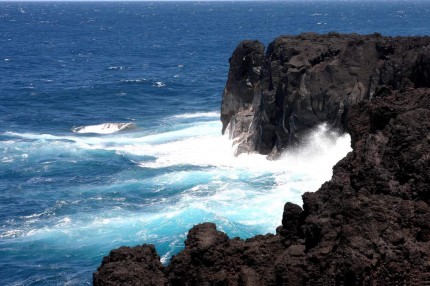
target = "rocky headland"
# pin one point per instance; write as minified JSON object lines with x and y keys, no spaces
{"x":275,"y":95}
{"x":368,"y":225}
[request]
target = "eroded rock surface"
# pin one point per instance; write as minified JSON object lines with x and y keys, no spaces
{"x":272,"y":97}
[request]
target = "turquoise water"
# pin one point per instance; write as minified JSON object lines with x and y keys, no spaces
{"x":75,"y":183}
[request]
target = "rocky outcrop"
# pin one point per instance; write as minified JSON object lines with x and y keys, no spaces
{"x":138,"y":265}
{"x":369,"y":225}
{"x":273,"y":97}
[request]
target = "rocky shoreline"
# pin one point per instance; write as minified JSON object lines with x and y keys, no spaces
{"x":368,"y":225}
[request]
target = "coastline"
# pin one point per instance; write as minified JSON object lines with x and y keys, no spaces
{"x":368,"y":225}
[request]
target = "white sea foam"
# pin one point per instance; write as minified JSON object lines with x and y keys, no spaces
{"x":115,"y":68}
{"x":105,"y":128}
{"x":223,"y":190}
{"x":232,"y":191}
{"x":198,"y":115}
{"x":138,"y":80}
{"x":7,"y":159}
{"x":159,"y":84}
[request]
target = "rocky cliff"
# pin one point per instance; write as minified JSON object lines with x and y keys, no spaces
{"x":273,"y":96}
{"x":369,"y":225}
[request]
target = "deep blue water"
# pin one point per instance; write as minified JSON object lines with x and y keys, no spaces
{"x":67,"y":198}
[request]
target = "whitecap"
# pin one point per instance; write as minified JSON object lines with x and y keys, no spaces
{"x":8,"y":142}
{"x":115,"y":68}
{"x":7,"y":159}
{"x":105,"y":128}
{"x":11,"y":233}
{"x":198,"y":115}
{"x":138,"y":80}
{"x":159,"y":84}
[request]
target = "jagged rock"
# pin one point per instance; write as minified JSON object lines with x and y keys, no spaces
{"x":270,"y":100}
{"x":211,"y":257}
{"x":138,"y":265}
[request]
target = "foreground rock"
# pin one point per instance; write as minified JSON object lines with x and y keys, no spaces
{"x":138,"y":265}
{"x":272,"y":97}
{"x":369,"y":225}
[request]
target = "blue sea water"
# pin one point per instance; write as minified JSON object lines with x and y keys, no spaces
{"x":73,"y":185}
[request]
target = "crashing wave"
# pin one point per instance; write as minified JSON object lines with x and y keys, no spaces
{"x":105,"y":128}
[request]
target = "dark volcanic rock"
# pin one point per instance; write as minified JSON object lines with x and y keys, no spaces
{"x":138,"y":265}
{"x":271,"y":99}
{"x":365,"y":225}
{"x":369,"y":225}
{"x":211,"y":258}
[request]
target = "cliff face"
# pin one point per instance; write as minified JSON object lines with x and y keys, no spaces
{"x":368,"y":225}
{"x":272,"y":97}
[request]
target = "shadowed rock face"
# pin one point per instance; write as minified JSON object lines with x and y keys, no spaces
{"x":272,"y":98}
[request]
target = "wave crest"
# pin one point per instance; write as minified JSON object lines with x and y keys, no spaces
{"x":210,"y":114}
{"x":105,"y":128}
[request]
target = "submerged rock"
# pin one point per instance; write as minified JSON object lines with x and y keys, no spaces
{"x":272,"y":98}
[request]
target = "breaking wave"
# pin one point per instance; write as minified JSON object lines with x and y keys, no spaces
{"x":198,"y":115}
{"x":105,"y":128}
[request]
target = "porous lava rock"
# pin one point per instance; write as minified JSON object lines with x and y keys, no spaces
{"x":273,"y":97}
{"x":139,"y":265}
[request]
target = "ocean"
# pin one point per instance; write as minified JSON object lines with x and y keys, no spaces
{"x":110,"y":132}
